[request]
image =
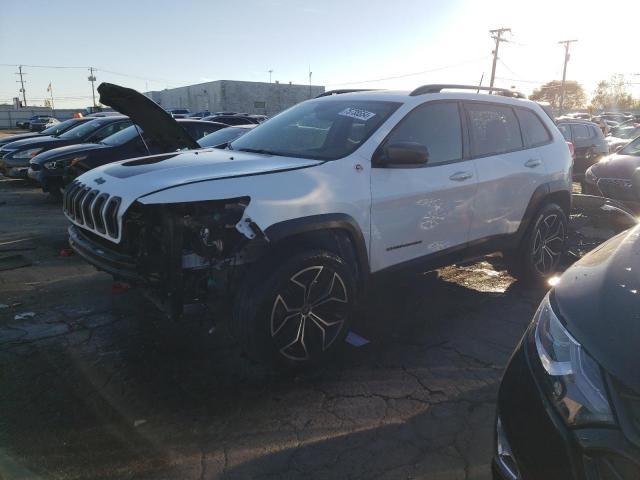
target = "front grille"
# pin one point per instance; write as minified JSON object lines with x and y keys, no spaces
{"x":94,"y":210}
{"x":617,"y":188}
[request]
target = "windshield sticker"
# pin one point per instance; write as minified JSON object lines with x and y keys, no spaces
{"x":357,"y":113}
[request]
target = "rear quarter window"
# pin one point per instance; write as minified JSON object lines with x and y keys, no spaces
{"x":533,"y":130}
{"x":494,"y":129}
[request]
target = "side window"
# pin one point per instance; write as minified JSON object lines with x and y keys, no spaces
{"x":533,"y":130}
{"x":110,"y":130}
{"x":494,"y":129}
{"x":580,"y":132}
{"x":565,"y":131}
{"x":434,"y":125}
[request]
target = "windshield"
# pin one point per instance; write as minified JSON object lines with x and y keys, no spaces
{"x":59,"y":127}
{"x":627,"y":132}
{"x":222,"y":136}
{"x":123,"y":136}
{"x":321,"y":129}
{"x":83,"y":130}
{"x":632,"y":149}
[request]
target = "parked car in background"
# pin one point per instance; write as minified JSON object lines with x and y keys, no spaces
{"x":620,"y":136}
{"x":298,"y":215}
{"x":27,"y":123}
{"x":178,"y":112}
{"x":588,"y":141}
{"x":231,"y":119}
{"x":55,"y":168}
{"x":569,"y":401}
{"x":56,"y":129}
{"x":615,"y":176}
{"x":223,"y":137}
{"x":41,"y":123}
{"x":199,"y":115}
{"x":15,"y":156}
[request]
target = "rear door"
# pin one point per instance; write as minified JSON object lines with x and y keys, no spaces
{"x":509,"y":164}
{"x":422,"y":210}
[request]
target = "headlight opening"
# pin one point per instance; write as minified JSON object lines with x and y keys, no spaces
{"x":573,"y":380}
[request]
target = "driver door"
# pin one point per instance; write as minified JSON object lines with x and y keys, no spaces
{"x":423,"y":210}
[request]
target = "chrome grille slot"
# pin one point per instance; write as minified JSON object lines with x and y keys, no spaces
{"x":86,"y":208}
{"x":111,"y":216}
{"x":77,"y":204}
{"x":66,"y":203}
{"x":97,"y":211}
{"x":72,"y":202}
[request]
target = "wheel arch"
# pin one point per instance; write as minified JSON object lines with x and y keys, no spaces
{"x":335,"y":232}
{"x":542,"y":196}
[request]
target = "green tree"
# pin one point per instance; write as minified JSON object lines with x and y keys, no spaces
{"x":612,"y":95}
{"x":574,"y":96}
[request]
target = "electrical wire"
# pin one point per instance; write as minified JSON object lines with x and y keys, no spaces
{"x":410,"y":74}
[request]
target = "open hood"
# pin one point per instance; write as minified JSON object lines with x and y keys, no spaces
{"x":157,"y":124}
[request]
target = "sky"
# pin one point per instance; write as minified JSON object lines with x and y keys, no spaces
{"x":152,"y":45}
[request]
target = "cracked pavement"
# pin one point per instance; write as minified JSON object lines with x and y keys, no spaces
{"x":98,"y":384}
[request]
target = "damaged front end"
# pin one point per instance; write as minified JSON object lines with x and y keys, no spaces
{"x":181,"y":253}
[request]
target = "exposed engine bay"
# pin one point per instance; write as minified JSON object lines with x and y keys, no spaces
{"x":181,"y":252}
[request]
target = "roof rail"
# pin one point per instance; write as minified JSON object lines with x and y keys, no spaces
{"x":437,"y":88}
{"x":346,"y":90}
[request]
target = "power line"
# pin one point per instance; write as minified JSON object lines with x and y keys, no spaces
{"x":408,"y":74}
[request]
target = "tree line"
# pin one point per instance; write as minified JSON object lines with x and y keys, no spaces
{"x":609,"y":95}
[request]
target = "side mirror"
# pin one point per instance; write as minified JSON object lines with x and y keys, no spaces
{"x":619,"y":147}
{"x":403,"y":153}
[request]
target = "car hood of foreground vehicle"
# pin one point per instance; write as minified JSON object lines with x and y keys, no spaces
{"x":599,"y":299}
{"x":616,"y":166}
{"x":131,"y":179}
{"x":66,"y":152}
{"x":20,"y":136}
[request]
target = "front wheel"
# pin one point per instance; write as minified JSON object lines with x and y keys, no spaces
{"x":295,"y":311}
{"x":541,"y":249}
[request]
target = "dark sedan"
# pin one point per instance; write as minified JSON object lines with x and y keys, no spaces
{"x":55,"y":168}
{"x":569,"y":402}
{"x":613,"y":176}
{"x":15,"y":156}
{"x":41,"y":123}
{"x":223,"y":137}
{"x":27,"y":123}
{"x":54,"y":130}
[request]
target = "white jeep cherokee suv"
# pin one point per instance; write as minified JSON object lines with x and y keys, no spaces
{"x":295,"y":218}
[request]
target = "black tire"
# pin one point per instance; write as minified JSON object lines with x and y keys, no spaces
{"x":295,"y":310}
{"x":542,"y":248}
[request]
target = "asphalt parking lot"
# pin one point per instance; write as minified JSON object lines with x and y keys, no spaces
{"x":98,"y":384}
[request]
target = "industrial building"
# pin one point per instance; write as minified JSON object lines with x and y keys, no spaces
{"x":236,"y":96}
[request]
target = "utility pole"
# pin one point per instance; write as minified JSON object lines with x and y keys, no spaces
{"x":497,"y":36}
{"x":92,"y":79}
{"x":270,"y":72}
{"x":22,"y":90}
{"x":564,"y":70}
{"x":310,"y":73}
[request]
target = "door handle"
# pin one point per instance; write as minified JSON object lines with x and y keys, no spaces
{"x":532,"y":163}
{"x":461,"y":176}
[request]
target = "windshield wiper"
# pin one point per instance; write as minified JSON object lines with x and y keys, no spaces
{"x":258,"y":150}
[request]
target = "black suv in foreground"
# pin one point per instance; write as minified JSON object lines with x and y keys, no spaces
{"x":569,"y":402}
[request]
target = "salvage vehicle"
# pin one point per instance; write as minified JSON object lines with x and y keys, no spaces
{"x":178,"y":112}
{"x":294,"y":220}
{"x":15,"y":156}
{"x":41,"y":123}
{"x":613,"y":176}
{"x":54,"y":169}
{"x":621,"y":136}
{"x":588,"y":141}
{"x":27,"y":123}
{"x":56,"y":129}
{"x":569,"y":402}
{"x":223,"y":137}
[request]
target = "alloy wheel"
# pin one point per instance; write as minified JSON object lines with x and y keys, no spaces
{"x":309,"y":312}
{"x":548,"y":243}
